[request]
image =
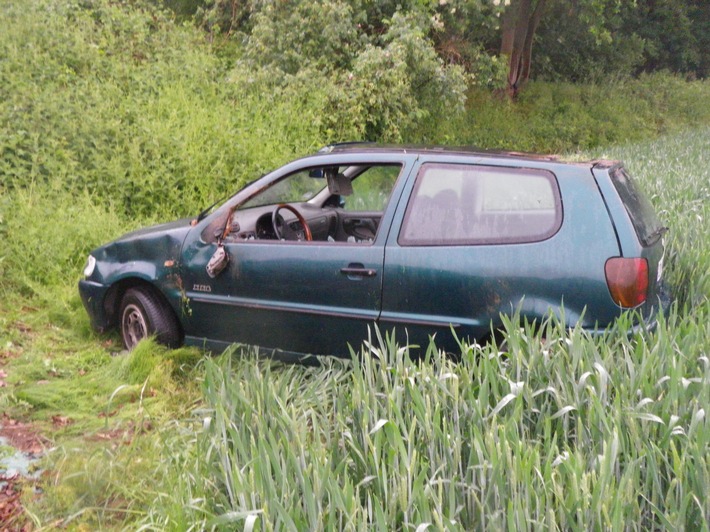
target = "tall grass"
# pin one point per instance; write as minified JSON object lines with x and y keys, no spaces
{"x":574,"y":433}
{"x":564,"y":117}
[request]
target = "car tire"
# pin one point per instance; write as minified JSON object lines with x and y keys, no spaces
{"x":143,"y":314}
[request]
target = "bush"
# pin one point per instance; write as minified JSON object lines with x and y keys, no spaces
{"x":371,"y":86}
{"x":47,"y":235}
{"x":140,"y":113}
{"x":119,"y":101}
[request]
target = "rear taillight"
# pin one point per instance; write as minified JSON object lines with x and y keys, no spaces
{"x":627,"y":280}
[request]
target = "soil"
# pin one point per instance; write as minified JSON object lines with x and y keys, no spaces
{"x":26,"y":439}
{"x":23,"y":437}
{"x":11,"y":512}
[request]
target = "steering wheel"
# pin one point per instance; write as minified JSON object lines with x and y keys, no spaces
{"x":275,"y":221}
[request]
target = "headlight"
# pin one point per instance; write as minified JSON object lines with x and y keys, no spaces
{"x":90,"y":265}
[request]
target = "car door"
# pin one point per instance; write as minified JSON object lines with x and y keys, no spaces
{"x":293,"y":296}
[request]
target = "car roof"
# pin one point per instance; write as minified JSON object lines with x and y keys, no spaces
{"x":373,"y":147}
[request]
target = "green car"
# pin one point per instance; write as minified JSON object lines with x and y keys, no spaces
{"x":421,"y":240}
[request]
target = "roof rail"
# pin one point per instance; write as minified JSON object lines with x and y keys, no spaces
{"x":606,"y":164}
{"x":330,"y":147}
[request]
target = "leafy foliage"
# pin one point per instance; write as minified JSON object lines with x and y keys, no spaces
{"x":373,"y":86}
{"x":576,"y":41}
{"x":124,"y":104}
{"x":321,"y":35}
{"x":617,"y":39}
{"x":592,"y":45}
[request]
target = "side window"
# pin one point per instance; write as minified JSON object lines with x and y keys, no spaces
{"x":335,"y":203}
{"x":372,"y":188}
{"x":456,"y":204}
{"x":296,"y":188}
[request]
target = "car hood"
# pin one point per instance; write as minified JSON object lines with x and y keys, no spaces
{"x":156,"y":244}
{"x":175,"y":228}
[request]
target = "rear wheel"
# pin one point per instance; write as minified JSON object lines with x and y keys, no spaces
{"x":143,"y":314}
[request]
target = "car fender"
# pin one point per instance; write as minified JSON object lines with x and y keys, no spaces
{"x":159,"y":267}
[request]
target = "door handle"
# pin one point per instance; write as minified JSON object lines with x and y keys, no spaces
{"x":358,"y":270}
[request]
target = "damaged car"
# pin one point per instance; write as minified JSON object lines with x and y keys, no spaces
{"x":420,"y":240}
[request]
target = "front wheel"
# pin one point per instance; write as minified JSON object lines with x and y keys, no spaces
{"x":144,"y":314}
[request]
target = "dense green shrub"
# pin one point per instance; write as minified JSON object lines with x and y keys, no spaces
{"x":46,"y":236}
{"x":578,"y":41}
{"x":374,"y":84}
{"x":123,"y":103}
{"x":119,"y":101}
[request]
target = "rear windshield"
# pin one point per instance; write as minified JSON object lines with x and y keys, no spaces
{"x":647,"y":225}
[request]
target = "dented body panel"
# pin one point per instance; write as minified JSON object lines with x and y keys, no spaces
{"x":149,"y":256}
{"x":531,"y":278}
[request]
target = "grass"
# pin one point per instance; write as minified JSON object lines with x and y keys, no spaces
{"x":674,"y":172}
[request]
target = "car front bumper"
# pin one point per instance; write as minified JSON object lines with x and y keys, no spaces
{"x":92,"y":296}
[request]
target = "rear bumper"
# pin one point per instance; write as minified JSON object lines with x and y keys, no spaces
{"x":645,"y":318}
{"x":663,"y":301}
{"x":92,"y":296}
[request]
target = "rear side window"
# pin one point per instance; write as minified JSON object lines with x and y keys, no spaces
{"x":456,"y":204}
{"x":646,"y":224}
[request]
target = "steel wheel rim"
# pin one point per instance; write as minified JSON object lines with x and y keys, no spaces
{"x":133,"y":326}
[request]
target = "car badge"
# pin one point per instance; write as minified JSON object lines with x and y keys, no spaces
{"x":201,"y":288}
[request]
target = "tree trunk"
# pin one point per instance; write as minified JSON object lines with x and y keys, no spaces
{"x":519,"y":23}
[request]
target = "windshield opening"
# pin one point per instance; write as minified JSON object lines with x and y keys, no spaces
{"x":297,"y":188}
